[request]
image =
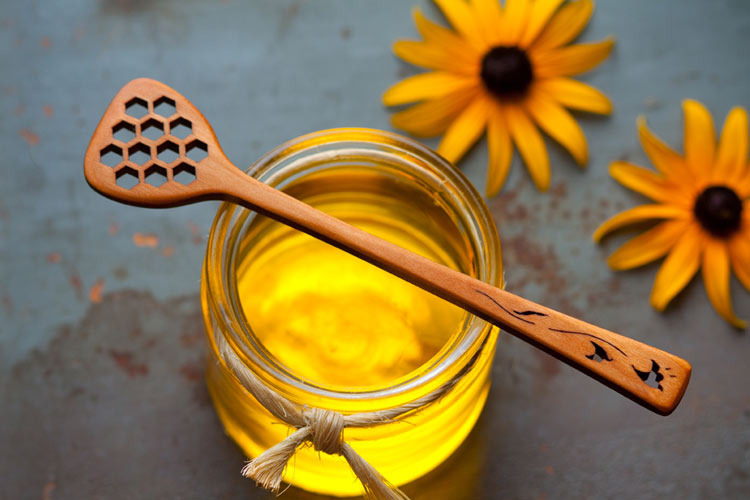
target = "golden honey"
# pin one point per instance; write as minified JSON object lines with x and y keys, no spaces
{"x":326,"y":329}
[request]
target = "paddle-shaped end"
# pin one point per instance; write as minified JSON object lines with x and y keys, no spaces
{"x":153,"y":148}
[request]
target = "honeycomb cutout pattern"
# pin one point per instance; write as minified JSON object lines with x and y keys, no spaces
{"x":153,"y":146}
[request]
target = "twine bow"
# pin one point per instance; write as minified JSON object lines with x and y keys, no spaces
{"x":323,"y":429}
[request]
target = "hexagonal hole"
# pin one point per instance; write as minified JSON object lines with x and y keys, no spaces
{"x":164,"y":106}
{"x":196,"y":150}
{"x":155,"y":175}
{"x":167,"y":152}
{"x":123,"y":131}
{"x":139,"y":153}
{"x":152,"y":129}
{"x":111,"y":155}
{"x":136,"y":107}
{"x":127,"y":177}
{"x":180,"y":128}
{"x":184,"y":173}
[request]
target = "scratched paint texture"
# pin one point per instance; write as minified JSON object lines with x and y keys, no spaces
{"x":101,"y":337}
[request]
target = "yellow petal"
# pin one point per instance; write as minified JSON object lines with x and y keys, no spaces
{"x":465,"y":131}
{"x":426,"y":86}
{"x":431,"y":118}
{"x":663,"y":157}
{"x":678,"y":268}
{"x":500,"y":151}
{"x":647,"y":247}
{"x":541,"y":12}
{"x":647,"y":182}
{"x":639,"y":214}
{"x":716,"y":279}
{"x":558,"y":124}
{"x":739,"y":252}
{"x":699,"y":137}
{"x":743,"y":183}
{"x":731,"y":157}
{"x":489,"y":17}
{"x":530,"y":144}
{"x":515,"y":17}
{"x":460,"y":15}
{"x":446,"y":40}
{"x":570,"y":60}
{"x":576,"y":95}
{"x":431,"y":56}
{"x":565,"y":25}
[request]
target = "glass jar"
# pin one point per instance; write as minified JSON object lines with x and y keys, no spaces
{"x":327,"y":330}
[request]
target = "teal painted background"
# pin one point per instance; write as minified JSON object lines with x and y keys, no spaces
{"x":105,"y":400}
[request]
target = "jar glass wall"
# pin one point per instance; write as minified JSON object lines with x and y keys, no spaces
{"x":327,"y":330}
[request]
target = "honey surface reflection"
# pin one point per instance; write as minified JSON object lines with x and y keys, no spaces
{"x":332,"y":318}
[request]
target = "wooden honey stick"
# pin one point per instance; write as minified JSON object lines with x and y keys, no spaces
{"x":127,"y":161}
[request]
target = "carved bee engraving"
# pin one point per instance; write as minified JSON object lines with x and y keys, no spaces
{"x":651,"y":377}
{"x":600,"y":354}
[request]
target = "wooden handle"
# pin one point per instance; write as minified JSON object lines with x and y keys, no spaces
{"x":649,"y":376}
{"x":645,"y":374}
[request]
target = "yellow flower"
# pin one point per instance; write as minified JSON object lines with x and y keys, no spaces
{"x":503,"y":69}
{"x":703,"y":200}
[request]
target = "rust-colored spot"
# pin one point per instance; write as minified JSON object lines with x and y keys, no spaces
{"x":120,"y":272}
{"x":114,"y":228}
{"x":189,"y":339}
{"x":559,"y":190}
{"x":7,"y":304}
{"x":29,"y":136}
{"x":46,"y":42}
{"x":49,"y":111}
{"x":168,"y":251}
{"x":195,"y":230}
{"x":48,"y":489}
{"x":75,"y":281}
{"x":549,"y":470}
{"x":54,"y":257}
{"x":345,"y":33}
{"x":549,"y":365}
{"x":609,"y":296}
{"x":20,"y":109}
{"x":532,"y":262}
{"x":191,"y":372}
{"x":95,"y":295}
{"x":124,"y":360}
{"x":145,"y":240}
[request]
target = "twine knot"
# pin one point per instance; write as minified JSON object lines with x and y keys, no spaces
{"x":324,"y":429}
{"x":327,"y":429}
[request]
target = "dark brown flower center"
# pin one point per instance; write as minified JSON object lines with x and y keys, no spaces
{"x":506,"y":71}
{"x":719,"y":210}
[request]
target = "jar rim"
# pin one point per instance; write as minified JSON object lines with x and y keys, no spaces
{"x":235,"y":328}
